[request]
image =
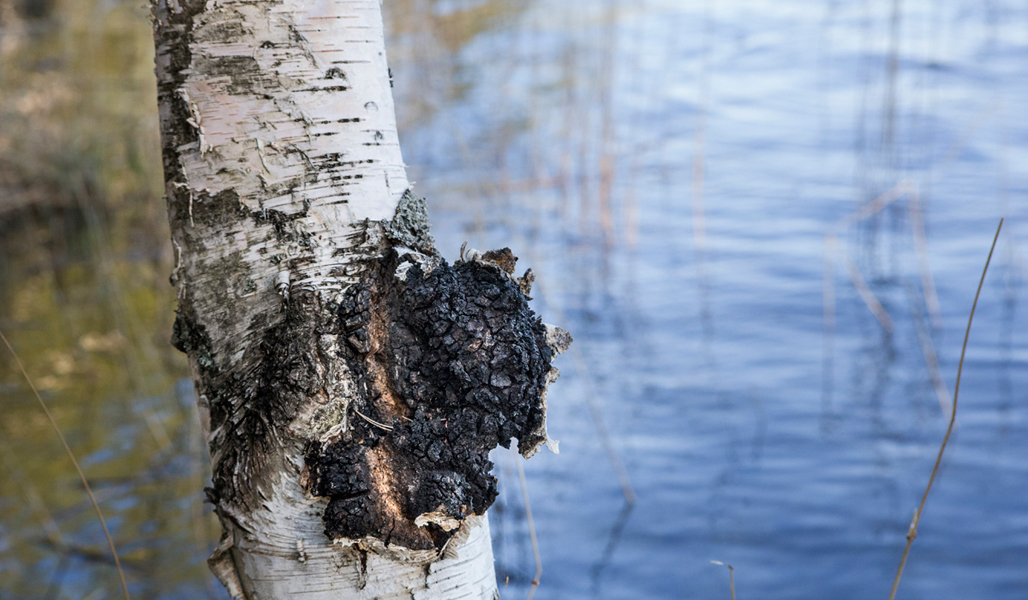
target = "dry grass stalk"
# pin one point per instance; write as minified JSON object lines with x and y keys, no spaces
{"x":912,"y":532}
{"x":731,"y":575}
{"x":373,"y":422}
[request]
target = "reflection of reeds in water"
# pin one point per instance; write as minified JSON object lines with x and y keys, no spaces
{"x":892,"y":72}
{"x":586,"y":194}
{"x":904,"y":189}
{"x":699,"y":225}
{"x":928,"y":296}
{"x":906,"y":132}
{"x":608,"y":135}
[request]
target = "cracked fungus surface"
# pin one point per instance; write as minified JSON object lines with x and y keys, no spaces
{"x":449,"y":363}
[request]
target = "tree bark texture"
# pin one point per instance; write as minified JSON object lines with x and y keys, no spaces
{"x":351,"y":382}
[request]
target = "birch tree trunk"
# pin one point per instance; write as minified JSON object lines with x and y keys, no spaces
{"x":350,"y":381}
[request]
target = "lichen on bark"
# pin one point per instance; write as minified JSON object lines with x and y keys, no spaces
{"x":409,"y":227}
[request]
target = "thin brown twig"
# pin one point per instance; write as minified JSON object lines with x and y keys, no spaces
{"x":71,"y":455}
{"x":912,"y":532}
{"x":373,"y":422}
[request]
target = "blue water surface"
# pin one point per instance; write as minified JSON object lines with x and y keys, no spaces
{"x":671,"y":172}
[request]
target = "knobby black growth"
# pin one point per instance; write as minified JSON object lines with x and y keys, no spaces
{"x":449,"y":362}
{"x":406,"y":382}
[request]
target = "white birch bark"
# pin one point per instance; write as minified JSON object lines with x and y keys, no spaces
{"x":284,"y":178}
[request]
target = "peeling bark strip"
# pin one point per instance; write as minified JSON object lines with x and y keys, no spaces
{"x":350,"y":381}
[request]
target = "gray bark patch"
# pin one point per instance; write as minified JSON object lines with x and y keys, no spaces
{"x":242,"y":75}
{"x":216,"y":212}
{"x":449,"y":364}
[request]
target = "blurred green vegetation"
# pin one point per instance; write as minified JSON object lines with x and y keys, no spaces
{"x":78,"y":105}
{"x":84,"y":299}
{"x":84,"y":296}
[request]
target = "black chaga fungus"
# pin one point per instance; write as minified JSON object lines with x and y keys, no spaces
{"x":450,"y":362}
